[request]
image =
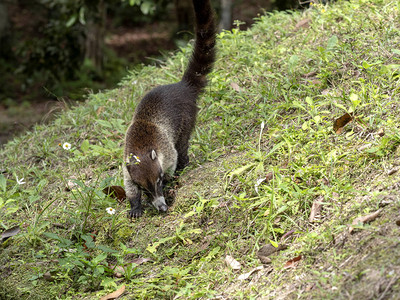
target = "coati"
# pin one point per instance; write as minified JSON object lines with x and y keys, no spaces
{"x":157,"y":139}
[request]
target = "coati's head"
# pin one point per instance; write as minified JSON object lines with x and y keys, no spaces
{"x":146,"y":171}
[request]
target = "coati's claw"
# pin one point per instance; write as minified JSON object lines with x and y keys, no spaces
{"x":135,"y":213}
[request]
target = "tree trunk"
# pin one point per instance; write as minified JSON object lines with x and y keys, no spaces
{"x":184,"y":15}
{"x":226,"y":14}
{"x":4,"y":31}
{"x":95,"y":31}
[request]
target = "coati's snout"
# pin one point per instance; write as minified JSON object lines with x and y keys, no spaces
{"x":160,"y":204}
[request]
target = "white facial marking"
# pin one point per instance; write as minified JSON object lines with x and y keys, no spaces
{"x":153,"y":154}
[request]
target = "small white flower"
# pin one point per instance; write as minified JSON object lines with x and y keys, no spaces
{"x":135,"y":157}
{"x":262,"y":125}
{"x":110,"y":210}
{"x":258,"y":182}
{"x":20,"y":181}
{"x":67,"y":146}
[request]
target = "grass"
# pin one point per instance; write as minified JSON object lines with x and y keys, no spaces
{"x":263,"y":151}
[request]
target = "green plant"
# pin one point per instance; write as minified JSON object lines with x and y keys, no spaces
{"x":80,"y":263}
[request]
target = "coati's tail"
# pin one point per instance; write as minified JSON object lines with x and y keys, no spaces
{"x":203,"y":55}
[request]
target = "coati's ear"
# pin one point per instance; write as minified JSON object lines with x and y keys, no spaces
{"x":153,"y":154}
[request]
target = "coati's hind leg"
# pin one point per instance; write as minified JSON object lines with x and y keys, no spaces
{"x":183,"y":158}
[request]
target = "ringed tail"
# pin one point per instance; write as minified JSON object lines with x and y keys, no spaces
{"x":203,"y":55}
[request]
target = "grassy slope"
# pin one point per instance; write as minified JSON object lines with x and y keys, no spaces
{"x":297,"y":78}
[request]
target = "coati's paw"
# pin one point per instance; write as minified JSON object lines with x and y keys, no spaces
{"x":135,"y":213}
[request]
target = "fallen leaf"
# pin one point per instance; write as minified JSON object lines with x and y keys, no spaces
{"x":258,"y":182}
{"x":140,"y":260}
{"x":119,"y":271}
{"x":248,"y":274}
{"x":325,"y":92}
{"x":70,"y":185}
{"x":264,"y":259}
{"x":293,"y":262}
{"x":10,"y":233}
{"x":341,"y":122}
{"x":233,"y":263}
{"x":316,"y":208}
{"x":381,"y":132}
{"x":364,"y":219}
{"x":308,"y":75}
{"x":310,"y":287}
{"x":284,"y":238}
{"x":99,"y":110}
{"x":392,"y":171}
{"x":48,"y":277}
{"x":115,"y":191}
{"x":236,"y":87}
{"x":268,"y":250}
{"x":303,"y":23}
{"x":363,"y":147}
{"x":316,"y":82}
{"x":115,"y":294}
{"x":269,"y":176}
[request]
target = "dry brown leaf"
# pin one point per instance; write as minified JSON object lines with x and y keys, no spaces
{"x":293,"y":262}
{"x":119,"y":271}
{"x":236,"y":87}
{"x":48,"y":277}
{"x":248,"y":274}
{"x":285,"y":237}
{"x":308,"y":75}
{"x":325,"y":92}
{"x":140,"y":260}
{"x":316,"y":82}
{"x":381,"y":132}
{"x":310,"y":287}
{"x":363,"y":147}
{"x":269,"y":176}
{"x":116,"y":192}
{"x":341,"y":122}
{"x":316,"y":208}
{"x":115,"y":294}
{"x":100,"y":110}
{"x":364,"y":219}
{"x":303,"y":23}
{"x":10,"y":233}
{"x":233,"y":263}
{"x":268,"y":250}
{"x":392,"y":171}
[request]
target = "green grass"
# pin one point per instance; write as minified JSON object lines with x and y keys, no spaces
{"x":295,"y":81}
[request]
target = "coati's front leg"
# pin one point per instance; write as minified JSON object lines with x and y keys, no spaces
{"x":134,"y":194}
{"x":136,"y":210}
